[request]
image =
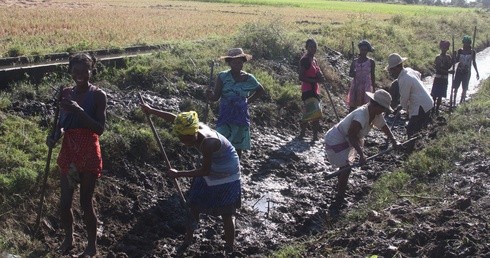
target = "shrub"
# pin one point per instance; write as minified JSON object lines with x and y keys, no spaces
{"x":266,"y":40}
{"x":16,"y":51}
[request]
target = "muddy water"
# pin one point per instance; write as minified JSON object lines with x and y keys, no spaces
{"x":482,"y":62}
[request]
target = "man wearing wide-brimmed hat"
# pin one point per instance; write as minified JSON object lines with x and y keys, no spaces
{"x":235,"y":89}
{"x":413,"y":96}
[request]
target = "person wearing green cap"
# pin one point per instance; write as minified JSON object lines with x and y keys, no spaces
{"x":464,"y":58}
{"x":216,"y":188}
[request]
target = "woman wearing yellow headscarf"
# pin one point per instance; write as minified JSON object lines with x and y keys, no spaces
{"x":216,"y":188}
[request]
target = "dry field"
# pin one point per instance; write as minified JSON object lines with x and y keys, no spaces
{"x":41,"y":26}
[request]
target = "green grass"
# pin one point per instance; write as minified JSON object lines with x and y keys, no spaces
{"x":290,"y":251}
{"x":467,"y":130}
{"x":23,"y":153}
{"x":349,"y":6}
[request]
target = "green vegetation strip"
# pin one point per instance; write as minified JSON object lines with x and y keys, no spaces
{"x":350,"y":6}
{"x":468,"y":129}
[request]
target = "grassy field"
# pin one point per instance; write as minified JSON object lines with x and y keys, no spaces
{"x":68,"y":25}
{"x":346,"y":6}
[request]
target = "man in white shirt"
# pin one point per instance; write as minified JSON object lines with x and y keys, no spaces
{"x":413,"y":96}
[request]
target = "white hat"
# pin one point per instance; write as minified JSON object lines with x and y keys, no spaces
{"x":236,"y":53}
{"x":381,"y":97}
{"x":394,"y":60}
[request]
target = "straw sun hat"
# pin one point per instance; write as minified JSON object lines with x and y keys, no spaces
{"x":394,"y":60}
{"x":236,"y":53}
{"x":381,"y":97}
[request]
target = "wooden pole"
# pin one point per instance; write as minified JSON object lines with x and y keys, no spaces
{"x":474,"y":38}
{"x":182,"y":200}
{"x":452,"y":78}
{"x":333,"y":104}
{"x":211,"y":84}
{"x":48,"y":159}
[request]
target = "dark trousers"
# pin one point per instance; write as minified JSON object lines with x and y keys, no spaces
{"x":418,"y":122}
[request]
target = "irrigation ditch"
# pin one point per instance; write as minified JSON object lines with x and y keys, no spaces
{"x":34,"y":68}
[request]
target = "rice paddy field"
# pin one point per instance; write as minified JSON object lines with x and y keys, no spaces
{"x":47,"y":26}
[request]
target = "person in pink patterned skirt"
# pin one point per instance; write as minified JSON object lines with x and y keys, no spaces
{"x":362,"y":70}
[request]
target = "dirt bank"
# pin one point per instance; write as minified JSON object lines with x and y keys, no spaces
{"x":285,"y":200}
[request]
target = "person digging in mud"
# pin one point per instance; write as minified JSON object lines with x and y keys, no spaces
{"x":310,"y":75}
{"x":442,"y":65}
{"x":82,"y":121}
{"x":346,"y":138}
{"x":464,"y":58}
{"x":216,"y":188}
{"x":413,"y":96}
{"x":362,"y":70}
{"x":236,"y":90}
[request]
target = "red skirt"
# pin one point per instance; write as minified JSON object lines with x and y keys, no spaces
{"x":81,"y":148}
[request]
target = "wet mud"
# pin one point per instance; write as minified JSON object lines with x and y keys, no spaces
{"x":285,"y":198}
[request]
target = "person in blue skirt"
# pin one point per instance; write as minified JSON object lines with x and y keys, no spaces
{"x":216,"y":188}
{"x":236,"y":90}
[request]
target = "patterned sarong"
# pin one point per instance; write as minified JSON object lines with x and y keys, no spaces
{"x":80,"y":149}
{"x":312,"y":110}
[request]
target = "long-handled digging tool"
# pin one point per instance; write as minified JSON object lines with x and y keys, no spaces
{"x":331,"y":102}
{"x":340,"y":171}
{"x":48,"y":159}
{"x":183,"y":202}
{"x":211,"y":84}
{"x":452,"y":80}
{"x":352,"y":72}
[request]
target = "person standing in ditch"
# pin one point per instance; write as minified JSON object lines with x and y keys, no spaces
{"x":464,"y":58}
{"x":362,"y":70}
{"x":442,"y":63}
{"x":216,"y":188}
{"x":82,"y":121}
{"x":346,"y":138}
{"x":236,"y":90}
{"x":413,"y":96}
{"x":310,"y":76}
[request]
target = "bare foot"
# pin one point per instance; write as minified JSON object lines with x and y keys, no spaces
{"x":66,"y":246}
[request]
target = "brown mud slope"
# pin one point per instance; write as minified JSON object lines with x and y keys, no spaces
{"x":285,"y":199}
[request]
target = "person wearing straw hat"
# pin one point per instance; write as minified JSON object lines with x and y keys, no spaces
{"x":413,"y":96}
{"x":362,"y":70}
{"x":236,"y":90}
{"x":464,"y":58}
{"x":216,"y":188}
{"x":346,"y":138}
{"x":310,"y":75}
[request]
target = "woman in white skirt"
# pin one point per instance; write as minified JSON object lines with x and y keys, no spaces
{"x":347,"y":137}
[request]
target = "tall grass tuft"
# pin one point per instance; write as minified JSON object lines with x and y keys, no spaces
{"x":22,"y":155}
{"x":266,"y":40}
